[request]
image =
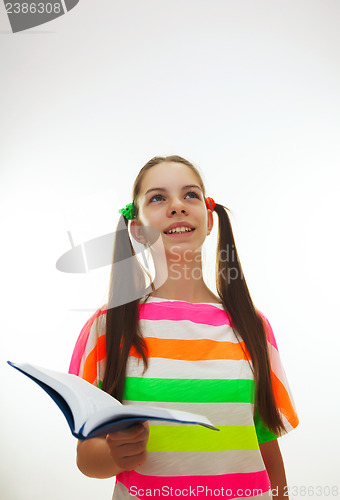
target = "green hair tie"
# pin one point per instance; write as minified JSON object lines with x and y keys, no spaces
{"x":128,"y":211}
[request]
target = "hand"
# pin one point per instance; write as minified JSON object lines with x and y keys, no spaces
{"x":128,"y":447}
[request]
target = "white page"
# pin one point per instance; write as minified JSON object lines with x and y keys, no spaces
{"x":83,"y":398}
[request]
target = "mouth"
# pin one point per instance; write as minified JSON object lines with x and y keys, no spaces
{"x":180,"y":231}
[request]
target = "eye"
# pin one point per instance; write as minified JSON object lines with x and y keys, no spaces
{"x":156,"y":196}
{"x":192,"y":192}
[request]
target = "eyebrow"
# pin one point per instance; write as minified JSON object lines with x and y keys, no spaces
{"x":163,"y":189}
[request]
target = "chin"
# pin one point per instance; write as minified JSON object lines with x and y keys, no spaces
{"x":181,"y":248}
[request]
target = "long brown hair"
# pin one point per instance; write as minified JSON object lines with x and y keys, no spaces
{"x":122,"y":322}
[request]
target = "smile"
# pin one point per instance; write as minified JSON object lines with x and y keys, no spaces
{"x":180,"y":230}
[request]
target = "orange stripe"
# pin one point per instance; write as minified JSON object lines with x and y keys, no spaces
{"x":97,"y":354}
{"x":283,"y":401}
{"x":192,"y":350}
{"x":101,"y":346}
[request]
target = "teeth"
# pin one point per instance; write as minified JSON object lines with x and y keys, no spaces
{"x":180,"y":230}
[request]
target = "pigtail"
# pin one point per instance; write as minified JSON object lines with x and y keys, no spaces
{"x":233,"y":290}
{"x":127,"y":286}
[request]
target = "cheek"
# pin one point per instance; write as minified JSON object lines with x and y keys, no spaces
{"x":204,"y":219}
{"x":144,"y":217}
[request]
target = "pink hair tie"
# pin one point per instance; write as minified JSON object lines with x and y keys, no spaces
{"x":210,"y":203}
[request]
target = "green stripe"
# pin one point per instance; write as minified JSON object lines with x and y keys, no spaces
{"x":263,"y":433}
{"x":197,"y":438}
{"x":189,"y":390}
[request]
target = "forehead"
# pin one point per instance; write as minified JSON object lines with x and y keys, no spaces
{"x":168,"y":175}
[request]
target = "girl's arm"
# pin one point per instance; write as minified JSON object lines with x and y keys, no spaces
{"x":273,"y":461}
{"x":107,"y":456}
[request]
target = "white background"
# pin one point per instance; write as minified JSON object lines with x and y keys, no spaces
{"x":246,"y":90}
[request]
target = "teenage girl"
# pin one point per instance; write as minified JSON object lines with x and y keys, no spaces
{"x":174,"y":344}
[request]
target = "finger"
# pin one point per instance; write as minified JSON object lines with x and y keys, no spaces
{"x":133,"y":462}
{"x":129,"y":450}
{"x":126,"y":434}
{"x":119,"y":447}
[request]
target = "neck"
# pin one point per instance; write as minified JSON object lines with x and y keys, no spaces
{"x":183,"y":279}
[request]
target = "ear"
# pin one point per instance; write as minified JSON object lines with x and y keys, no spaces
{"x":137,"y":232}
{"x":210,"y":221}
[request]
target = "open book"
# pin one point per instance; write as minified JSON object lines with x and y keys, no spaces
{"x":91,"y":412}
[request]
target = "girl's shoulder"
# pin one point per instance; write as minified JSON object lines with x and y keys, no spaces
{"x":268,"y":329}
{"x":94,"y":328}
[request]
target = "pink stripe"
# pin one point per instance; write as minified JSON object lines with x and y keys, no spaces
{"x":269,"y":331}
{"x":178,"y":311}
{"x":234,"y":485}
{"x":80,"y":346}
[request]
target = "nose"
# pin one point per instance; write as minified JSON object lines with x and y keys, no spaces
{"x":177,"y":207}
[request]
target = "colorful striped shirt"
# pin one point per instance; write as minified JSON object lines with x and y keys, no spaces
{"x":196,"y":363}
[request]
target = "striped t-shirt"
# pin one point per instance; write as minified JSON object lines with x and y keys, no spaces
{"x":196,"y":364}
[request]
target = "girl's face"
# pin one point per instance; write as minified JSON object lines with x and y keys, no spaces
{"x":171,"y":195}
